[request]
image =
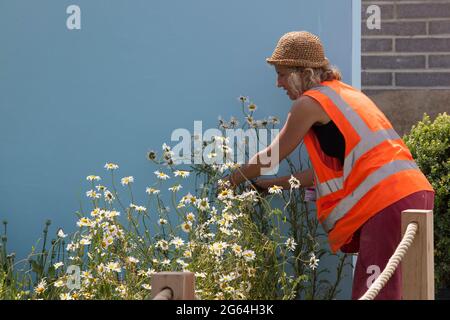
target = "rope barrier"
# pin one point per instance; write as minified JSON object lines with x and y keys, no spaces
{"x":165,"y":294}
{"x":180,"y":285}
{"x":393,"y":263}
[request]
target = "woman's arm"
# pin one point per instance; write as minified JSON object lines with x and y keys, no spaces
{"x":304,"y":113}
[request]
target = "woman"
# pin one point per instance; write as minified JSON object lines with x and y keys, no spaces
{"x":363,"y":173}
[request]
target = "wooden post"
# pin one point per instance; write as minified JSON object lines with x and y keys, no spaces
{"x":418,"y":262}
{"x":182,"y":284}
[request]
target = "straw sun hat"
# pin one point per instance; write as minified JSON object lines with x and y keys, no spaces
{"x":299,"y":49}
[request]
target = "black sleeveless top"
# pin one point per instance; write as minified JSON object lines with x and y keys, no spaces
{"x":331,"y":140}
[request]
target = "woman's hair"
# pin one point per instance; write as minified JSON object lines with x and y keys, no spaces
{"x":311,"y":77}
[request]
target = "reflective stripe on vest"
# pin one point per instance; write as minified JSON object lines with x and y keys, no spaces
{"x":373,"y":179}
{"x":329,"y":186}
{"x":369,"y":140}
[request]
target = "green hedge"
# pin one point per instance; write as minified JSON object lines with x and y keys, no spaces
{"x":429,"y":143}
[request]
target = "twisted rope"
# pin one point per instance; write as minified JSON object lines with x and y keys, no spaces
{"x":165,"y":294}
{"x":392,"y":264}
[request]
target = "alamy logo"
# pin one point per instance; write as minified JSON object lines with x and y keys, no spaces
{"x":74,"y":279}
{"x":74,"y":20}
{"x":374,"y":19}
{"x":375,"y":272}
{"x":214,"y":147}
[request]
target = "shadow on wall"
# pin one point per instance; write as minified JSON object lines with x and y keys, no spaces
{"x":404,"y":108}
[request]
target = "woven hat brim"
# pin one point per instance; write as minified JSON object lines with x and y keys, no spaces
{"x":298,"y":63}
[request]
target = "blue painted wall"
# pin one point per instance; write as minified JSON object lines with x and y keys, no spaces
{"x":71,"y":100}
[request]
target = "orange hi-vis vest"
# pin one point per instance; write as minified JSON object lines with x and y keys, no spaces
{"x":378,"y":168}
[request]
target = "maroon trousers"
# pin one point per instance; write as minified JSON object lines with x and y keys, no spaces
{"x":377,"y":240}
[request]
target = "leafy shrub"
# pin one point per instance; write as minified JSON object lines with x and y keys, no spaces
{"x":429,"y":143}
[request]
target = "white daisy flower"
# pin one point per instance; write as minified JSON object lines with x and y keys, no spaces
{"x":163,"y":245}
{"x":150,"y":272}
{"x":274,"y":120}
{"x":165,"y":262}
{"x":177,"y":242}
{"x":186,"y":227}
{"x":237,"y":249}
{"x":189,"y":199}
{"x":72,"y":246}
{"x":141,"y":273}
{"x":249,"y":255}
{"x":139,"y":208}
{"x":65,"y":296}
{"x":100,"y":188}
{"x":58,"y":265}
{"x":175,"y":188}
{"x":182,"y":263}
{"x":202,"y":204}
{"x":313,"y":261}
{"x":225,"y":194}
{"x":107,"y":241}
{"x":41,"y":287}
{"x":133,"y":260}
{"x":84,"y":222}
{"x":127,"y":180}
{"x":165,"y":147}
{"x":249,"y":196}
{"x":291,"y":244}
{"x":96,"y":212}
{"x":101,"y":268}
{"x":181,"y":205}
{"x":190,"y":217}
{"x":93,"y":178}
{"x":200,"y":275}
{"x":161,"y":175}
{"x":61,"y":233}
{"x":225,"y":230}
{"x":275,"y":190}
{"x":93,"y":194}
{"x":111,"y":214}
{"x":152,"y":190}
{"x":122,"y":290}
{"x":113,"y":266}
{"x":227,"y":277}
{"x":146,"y":286}
{"x":218,"y":248}
{"x":59,"y":283}
{"x":224,"y":183}
{"x":243,"y":99}
{"x":111,"y":166}
{"x":294,"y":182}
{"x":162,"y":221}
{"x":85,"y":242}
{"x":181,"y":173}
{"x":252,"y":107}
{"x":229,"y":165}
{"x":109,"y":197}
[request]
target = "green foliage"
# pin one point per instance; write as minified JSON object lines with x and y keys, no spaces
{"x":429,"y":143}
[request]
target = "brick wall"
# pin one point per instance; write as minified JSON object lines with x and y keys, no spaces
{"x":406,"y":63}
{"x":412,"y":47}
